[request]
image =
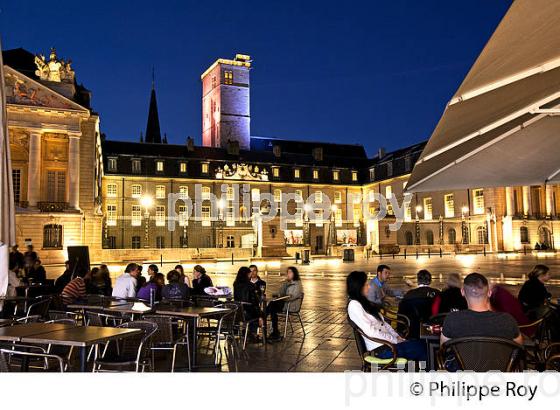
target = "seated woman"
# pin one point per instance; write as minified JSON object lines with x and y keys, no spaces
{"x":450,"y":299}
{"x":367,"y":317}
{"x":245,"y":291}
{"x":200,"y":281}
{"x":100,"y":282}
{"x":533,"y":294}
{"x":153,"y":287}
{"x":176,"y":288}
{"x":184,"y":278}
{"x":290,"y":287}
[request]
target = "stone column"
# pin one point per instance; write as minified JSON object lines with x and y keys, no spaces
{"x":510,"y":206}
{"x":526,"y":201}
{"x":34,"y":169}
{"x":549,"y":191}
{"x":74,"y":171}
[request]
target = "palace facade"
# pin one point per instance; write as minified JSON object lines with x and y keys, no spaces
{"x":75,"y":186}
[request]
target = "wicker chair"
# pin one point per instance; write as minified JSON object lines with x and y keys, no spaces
{"x":133,"y":350}
{"x":5,"y":354}
{"x":287,"y":313}
{"x":164,"y":339}
{"x":482,"y":354}
{"x":369,"y":358}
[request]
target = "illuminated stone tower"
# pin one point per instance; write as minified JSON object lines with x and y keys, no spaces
{"x":225,"y":103}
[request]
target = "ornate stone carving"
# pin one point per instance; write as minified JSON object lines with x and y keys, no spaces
{"x":54,"y":70}
{"x":19,"y":91}
{"x":242,"y":172}
{"x":19,"y":138}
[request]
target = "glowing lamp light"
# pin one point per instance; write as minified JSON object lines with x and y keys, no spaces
{"x":146,"y":201}
{"x":418,"y":208}
{"x":334,"y":208}
{"x":221,"y":204}
{"x":307,"y":208}
{"x":464,"y":209}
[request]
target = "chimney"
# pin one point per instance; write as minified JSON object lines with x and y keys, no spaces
{"x":381,"y":152}
{"x":190,"y":144}
{"x":318,"y":153}
{"x":233,"y":147}
{"x":277,"y":151}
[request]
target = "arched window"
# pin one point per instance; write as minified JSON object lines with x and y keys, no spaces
{"x":482,"y":235}
{"x":52,"y":236}
{"x":408,"y":237}
{"x":452,"y":236}
{"x":430,"y":237}
{"x":524,"y":234}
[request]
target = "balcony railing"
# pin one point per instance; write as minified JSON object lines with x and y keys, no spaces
{"x":50,"y":206}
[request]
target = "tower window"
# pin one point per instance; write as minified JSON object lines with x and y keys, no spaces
{"x":228,"y":77}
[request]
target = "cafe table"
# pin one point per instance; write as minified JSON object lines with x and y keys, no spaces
{"x":16,"y":333}
{"x":264,"y":304}
{"x":432,"y":340}
{"x":192,"y":314}
{"x":81,"y":337}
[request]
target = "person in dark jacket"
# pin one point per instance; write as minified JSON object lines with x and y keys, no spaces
{"x":417,"y":303}
{"x":245,"y":291}
{"x":16,"y":258}
{"x":64,"y":279}
{"x":533,"y":294}
{"x":450,"y":299}
{"x":256,"y":280}
{"x":37,"y":273}
{"x":100,"y":282}
{"x":176,"y":288}
{"x":200,"y":281}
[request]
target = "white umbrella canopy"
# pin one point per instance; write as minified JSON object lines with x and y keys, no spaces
{"x":7,"y":206}
{"x":500,"y":128}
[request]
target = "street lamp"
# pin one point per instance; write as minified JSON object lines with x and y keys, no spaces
{"x":334,"y":208}
{"x":464,"y":229}
{"x":221,"y":205}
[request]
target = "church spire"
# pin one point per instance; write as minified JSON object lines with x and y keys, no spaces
{"x":153,"y":133}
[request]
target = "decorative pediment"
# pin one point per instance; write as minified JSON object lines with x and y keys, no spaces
{"x":56,"y":70}
{"x":242,"y":172}
{"x":23,"y":90}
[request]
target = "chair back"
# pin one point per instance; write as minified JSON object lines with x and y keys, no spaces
{"x":483,"y":354}
{"x":59,"y":314}
{"x":94,"y":318}
{"x":4,"y":366}
{"x":68,"y":321}
{"x":360,"y":342}
{"x":294,"y":305}
{"x":175,"y":303}
{"x":164,"y":332}
{"x":39,"y":308}
{"x":204,"y":301}
{"x":136,"y":347}
{"x":230,"y":319}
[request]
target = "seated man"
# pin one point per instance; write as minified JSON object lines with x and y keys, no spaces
{"x":479,"y":320}
{"x":417,"y":303}
{"x":379,"y":290}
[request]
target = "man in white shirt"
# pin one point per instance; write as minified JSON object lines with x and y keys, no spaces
{"x":125,"y":285}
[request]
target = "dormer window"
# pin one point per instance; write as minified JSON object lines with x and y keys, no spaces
{"x":112,"y":164}
{"x":354,"y":176}
{"x":275,"y":172}
{"x":315,"y":174}
{"x":204,"y":167}
{"x":136,"y":166}
{"x":372,"y":174}
{"x":336,"y":175}
{"x":297,"y":173}
{"x":159,"y":166}
{"x":183,"y":167}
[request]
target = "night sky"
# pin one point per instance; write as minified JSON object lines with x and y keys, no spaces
{"x":373,"y":72}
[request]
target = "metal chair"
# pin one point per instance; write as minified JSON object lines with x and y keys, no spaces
{"x":369,"y":358}
{"x":438,"y":319}
{"x":223,"y":321}
{"x":295,"y":312}
{"x":482,"y":354}
{"x":27,"y":319}
{"x":61,"y":314}
{"x":164,"y":339}
{"x":39,"y":308}
{"x":133,"y":351}
{"x":5,"y":354}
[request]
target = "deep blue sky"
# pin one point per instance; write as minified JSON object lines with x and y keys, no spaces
{"x":373,"y":72}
